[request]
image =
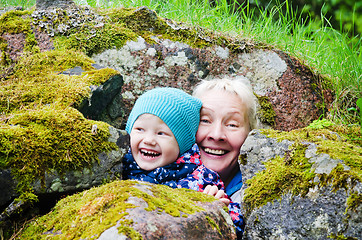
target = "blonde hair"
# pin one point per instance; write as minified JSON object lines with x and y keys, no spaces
{"x":235,"y":86}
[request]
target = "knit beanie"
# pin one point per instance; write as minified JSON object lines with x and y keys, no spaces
{"x":177,"y":109}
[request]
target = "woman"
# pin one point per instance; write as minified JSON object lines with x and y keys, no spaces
{"x":227,"y":117}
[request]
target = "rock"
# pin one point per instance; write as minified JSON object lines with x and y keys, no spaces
{"x":50,"y":4}
{"x":136,"y":210}
{"x":324,"y":209}
{"x":264,"y":70}
{"x":295,"y":98}
{"x":295,"y":217}
{"x":102,"y":98}
{"x":108,"y":167}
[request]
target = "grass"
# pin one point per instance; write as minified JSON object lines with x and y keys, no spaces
{"x":326,"y":50}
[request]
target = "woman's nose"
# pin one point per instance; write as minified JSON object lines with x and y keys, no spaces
{"x":217,"y":132}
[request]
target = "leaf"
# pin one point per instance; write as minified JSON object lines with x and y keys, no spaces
{"x":359,"y":103}
{"x":352,"y":109}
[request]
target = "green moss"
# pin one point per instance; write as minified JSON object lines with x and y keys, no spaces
{"x":282,"y":175}
{"x":15,"y":22}
{"x":320,"y":124}
{"x":36,"y":81}
{"x":31,"y":45}
{"x":339,"y":142}
{"x":4,"y":57}
{"x":40,"y":130}
{"x":147,"y":24}
{"x":49,"y":138}
{"x":98,"y":77}
{"x":341,"y":237}
{"x":293,"y":172}
{"x":127,"y":230}
{"x":339,"y":178}
{"x":353,"y":201}
{"x":87,"y":214}
{"x":266,"y":111}
{"x":139,"y":21}
{"x":90,"y":41}
{"x":213,"y":224}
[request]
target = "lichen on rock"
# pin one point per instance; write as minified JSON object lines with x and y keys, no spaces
{"x":301,"y":175}
{"x":109,"y":210}
{"x":40,"y":128}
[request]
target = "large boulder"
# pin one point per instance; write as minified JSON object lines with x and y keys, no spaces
{"x":305,"y":184}
{"x":134,"y":210}
{"x":107,"y":167}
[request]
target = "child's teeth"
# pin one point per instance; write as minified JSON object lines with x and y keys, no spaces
{"x":150,"y":153}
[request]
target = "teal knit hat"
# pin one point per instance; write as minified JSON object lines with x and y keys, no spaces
{"x":177,"y":109}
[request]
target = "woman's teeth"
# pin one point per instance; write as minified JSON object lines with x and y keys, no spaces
{"x":214,"y":151}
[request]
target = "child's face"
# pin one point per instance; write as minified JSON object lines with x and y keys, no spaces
{"x":223,"y":129}
{"x":153,"y":144}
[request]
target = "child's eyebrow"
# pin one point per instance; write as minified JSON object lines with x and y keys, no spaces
{"x":206,"y":108}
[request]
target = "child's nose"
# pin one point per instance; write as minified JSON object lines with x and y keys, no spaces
{"x":149,"y":139}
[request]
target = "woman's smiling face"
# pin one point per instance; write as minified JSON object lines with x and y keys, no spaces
{"x":223,"y":128}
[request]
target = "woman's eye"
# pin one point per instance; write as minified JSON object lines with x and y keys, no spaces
{"x":204,"y":121}
{"x":232,"y":125}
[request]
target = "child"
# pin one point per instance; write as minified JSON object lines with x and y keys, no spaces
{"x":162,"y":127}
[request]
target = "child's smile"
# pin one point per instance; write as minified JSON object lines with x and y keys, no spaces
{"x":153,"y":144}
{"x":149,"y":153}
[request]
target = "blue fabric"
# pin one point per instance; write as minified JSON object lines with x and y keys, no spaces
{"x":168,"y":175}
{"x":186,"y":172}
{"x":235,"y":184}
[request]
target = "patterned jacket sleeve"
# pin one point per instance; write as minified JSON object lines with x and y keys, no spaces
{"x":199,"y":179}
{"x":238,"y":219}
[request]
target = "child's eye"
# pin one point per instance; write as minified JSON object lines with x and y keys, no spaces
{"x":204,"y":121}
{"x":161,"y":133}
{"x":139,"y":129}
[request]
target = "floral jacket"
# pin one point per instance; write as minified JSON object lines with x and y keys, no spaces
{"x":186,"y":172}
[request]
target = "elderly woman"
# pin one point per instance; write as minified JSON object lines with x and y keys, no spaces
{"x":227,"y":117}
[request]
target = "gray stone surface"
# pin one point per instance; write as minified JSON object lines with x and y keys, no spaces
{"x":318,"y":215}
{"x":49,"y":4}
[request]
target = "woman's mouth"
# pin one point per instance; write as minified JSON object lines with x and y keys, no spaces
{"x":217,"y":152}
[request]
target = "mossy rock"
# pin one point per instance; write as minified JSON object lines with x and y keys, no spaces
{"x":136,"y":210}
{"x":308,"y":178}
{"x":41,"y":130}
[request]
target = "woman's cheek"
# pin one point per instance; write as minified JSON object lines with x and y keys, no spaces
{"x":201,"y":133}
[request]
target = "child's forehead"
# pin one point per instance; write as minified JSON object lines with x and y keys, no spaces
{"x":148,"y":117}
